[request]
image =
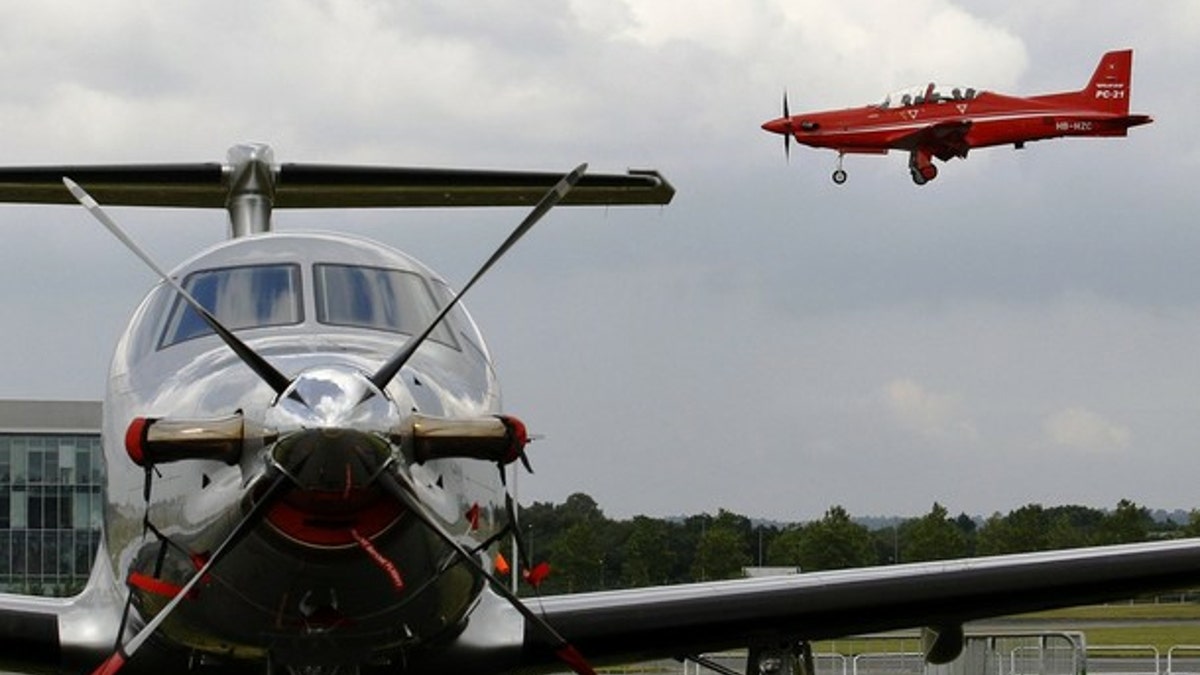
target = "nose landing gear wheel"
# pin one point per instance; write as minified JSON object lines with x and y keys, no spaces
{"x":839,"y":176}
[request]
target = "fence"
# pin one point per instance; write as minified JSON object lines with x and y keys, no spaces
{"x":1055,"y":653}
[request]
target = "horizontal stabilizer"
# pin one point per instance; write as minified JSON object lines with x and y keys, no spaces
{"x":308,"y":186}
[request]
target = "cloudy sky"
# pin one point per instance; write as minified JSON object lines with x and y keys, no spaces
{"x":1024,"y":329}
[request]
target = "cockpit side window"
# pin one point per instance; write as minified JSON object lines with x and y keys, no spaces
{"x":458,"y":320}
{"x":376,"y":298}
{"x":927,"y":93}
{"x":240,"y":297}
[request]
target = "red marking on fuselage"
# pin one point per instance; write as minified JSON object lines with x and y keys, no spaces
{"x":380,"y":560}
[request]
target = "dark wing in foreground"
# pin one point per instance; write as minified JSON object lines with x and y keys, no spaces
{"x":325,"y":186}
{"x":943,"y":140}
{"x":41,"y":634}
{"x":675,"y":621}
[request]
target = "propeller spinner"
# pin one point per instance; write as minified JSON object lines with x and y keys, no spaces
{"x":783,"y":126}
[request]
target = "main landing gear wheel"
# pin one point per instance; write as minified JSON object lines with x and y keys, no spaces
{"x":924,"y":174}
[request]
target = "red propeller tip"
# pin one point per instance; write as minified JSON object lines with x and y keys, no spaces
{"x":569,"y":655}
{"x":111,"y":665}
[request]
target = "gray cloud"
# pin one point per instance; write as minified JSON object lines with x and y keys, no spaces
{"x":737,"y":348}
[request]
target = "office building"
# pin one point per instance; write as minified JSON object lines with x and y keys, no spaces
{"x":51,"y":501}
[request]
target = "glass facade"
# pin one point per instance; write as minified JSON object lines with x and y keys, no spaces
{"x":51,"y":506}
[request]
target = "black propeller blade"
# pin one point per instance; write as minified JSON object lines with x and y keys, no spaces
{"x":275,"y":379}
{"x":406,"y":494}
{"x":393,"y":365}
{"x":787,"y":138}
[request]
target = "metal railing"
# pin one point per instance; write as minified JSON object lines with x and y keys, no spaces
{"x":1175,"y":655}
{"x":1050,"y":653}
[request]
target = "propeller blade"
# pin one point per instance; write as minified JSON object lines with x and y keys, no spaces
{"x":388,"y":370}
{"x":405,"y":493}
{"x":510,"y":507}
{"x":787,"y":138}
{"x":124,"y":652}
{"x":276,"y":380}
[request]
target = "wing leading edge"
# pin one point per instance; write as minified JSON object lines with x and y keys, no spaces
{"x":674,"y":621}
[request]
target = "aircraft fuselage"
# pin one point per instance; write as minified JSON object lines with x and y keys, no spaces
{"x":948,"y":121}
{"x":339,"y":572}
{"x":994,"y":119}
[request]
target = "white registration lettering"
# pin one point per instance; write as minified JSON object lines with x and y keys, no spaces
{"x":1078,"y":125}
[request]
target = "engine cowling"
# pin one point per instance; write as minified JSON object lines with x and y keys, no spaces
{"x":151,"y":440}
{"x":497,"y":438}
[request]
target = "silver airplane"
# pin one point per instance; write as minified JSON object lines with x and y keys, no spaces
{"x":305,"y":457}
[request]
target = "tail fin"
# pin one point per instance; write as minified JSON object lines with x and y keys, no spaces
{"x":1109,"y":88}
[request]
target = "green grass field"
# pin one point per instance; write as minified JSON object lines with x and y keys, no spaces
{"x":1159,"y":625}
{"x":1172,"y":611}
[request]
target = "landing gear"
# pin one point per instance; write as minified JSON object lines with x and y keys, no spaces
{"x":924,"y":175}
{"x":839,"y":174}
{"x":795,"y":658}
{"x":920,"y":166}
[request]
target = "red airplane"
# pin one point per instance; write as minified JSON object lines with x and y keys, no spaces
{"x":947,"y":121}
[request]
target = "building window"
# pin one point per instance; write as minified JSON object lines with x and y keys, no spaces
{"x":50,"y":511}
{"x":5,"y":462}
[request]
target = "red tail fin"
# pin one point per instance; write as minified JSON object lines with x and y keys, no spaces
{"x":1109,"y":88}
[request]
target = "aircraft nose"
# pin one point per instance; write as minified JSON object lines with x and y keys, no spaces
{"x":334,"y":499}
{"x":778,"y":126}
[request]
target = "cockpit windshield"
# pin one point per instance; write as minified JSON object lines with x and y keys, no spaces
{"x":927,"y":93}
{"x":240,"y":297}
{"x":376,"y":298}
{"x":256,"y":296}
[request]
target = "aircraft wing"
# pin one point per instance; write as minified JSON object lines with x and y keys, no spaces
{"x":52,"y":634}
{"x":40,"y":634}
{"x":674,"y":621}
{"x":326,"y":186}
{"x":943,"y":140}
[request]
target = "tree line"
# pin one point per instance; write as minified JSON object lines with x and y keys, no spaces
{"x":588,"y":551}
